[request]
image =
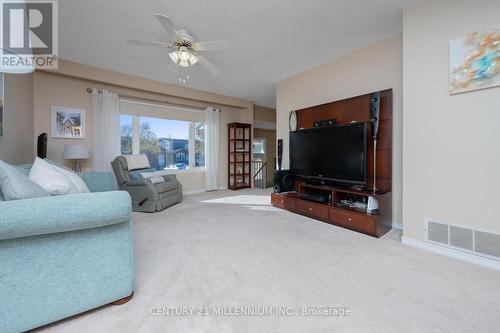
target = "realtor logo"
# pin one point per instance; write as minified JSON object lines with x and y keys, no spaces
{"x":29,"y":37}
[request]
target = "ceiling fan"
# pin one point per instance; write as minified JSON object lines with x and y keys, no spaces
{"x":185,"y":51}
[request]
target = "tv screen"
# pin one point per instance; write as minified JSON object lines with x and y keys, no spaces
{"x":337,"y":154}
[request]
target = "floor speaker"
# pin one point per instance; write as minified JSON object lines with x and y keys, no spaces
{"x":283,"y":181}
{"x":374,"y":113}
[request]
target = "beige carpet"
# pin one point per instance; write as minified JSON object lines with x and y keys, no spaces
{"x":230,"y":251}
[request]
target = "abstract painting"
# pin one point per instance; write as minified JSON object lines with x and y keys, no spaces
{"x":475,"y":61}
{"x":68,"y":123}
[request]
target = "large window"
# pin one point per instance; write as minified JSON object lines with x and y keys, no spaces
{"x":126,"y":128}
{"x":169,"y":144}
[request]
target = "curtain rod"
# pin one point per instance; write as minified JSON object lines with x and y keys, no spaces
{"x":165,"y":102}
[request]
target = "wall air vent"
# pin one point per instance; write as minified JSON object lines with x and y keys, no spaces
{"x":487,"y":243}
{"x":438,"y":232}
{"x":481,"y":243}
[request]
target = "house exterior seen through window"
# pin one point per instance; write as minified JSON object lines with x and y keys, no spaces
{"x":168,"y":144}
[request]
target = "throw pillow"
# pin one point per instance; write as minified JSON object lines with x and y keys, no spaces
{"x":80,"y":186}
{"x":16,"y":185}
{"x":50,"y":179}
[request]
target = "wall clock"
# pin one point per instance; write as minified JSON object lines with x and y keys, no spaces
{"x":292,"y":121}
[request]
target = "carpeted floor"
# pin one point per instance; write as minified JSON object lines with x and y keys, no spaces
{"x":226,"y":252}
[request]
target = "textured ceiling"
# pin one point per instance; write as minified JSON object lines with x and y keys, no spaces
{"x":271,"y":40}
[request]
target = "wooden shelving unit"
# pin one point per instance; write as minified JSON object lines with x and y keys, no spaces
{"x":239,"y":147}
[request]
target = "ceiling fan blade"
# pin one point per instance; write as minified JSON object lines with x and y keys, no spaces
{"x":168,"y":24}
{"x":211,"y":46}
{"x":148,"y":43}
{"x":208,"y":65}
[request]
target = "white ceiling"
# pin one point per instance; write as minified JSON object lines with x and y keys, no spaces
{"x":271,"y":40}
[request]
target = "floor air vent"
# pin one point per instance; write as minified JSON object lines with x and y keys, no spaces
{"x":473,"y":241}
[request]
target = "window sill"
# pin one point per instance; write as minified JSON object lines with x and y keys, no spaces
{"x":192,"y":170}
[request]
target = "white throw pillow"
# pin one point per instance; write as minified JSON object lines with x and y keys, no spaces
{"x":79,"y":184}
{"x":50,"y":179}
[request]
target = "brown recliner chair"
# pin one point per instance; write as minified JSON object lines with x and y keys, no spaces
{"x":146,"y":196}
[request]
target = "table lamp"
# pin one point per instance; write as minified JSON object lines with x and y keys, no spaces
{"x":77,"y":153}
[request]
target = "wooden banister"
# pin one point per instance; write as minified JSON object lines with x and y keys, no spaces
{"x":264,"y":164}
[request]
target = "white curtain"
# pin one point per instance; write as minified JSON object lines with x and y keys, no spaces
{"x":211,"y":149}
{"x":105,"y":129}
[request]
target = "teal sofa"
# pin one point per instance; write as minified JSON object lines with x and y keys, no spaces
{"x":63,"y":255}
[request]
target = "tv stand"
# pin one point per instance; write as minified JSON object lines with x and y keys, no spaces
{"x":335,"y":211}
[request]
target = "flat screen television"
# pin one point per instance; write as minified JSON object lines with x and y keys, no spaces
{"x":335,"y":154}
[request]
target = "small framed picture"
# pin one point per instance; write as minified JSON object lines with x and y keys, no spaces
{"x":68,"y":123}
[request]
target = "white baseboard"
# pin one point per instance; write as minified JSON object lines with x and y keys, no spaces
{"x":452,"y":253}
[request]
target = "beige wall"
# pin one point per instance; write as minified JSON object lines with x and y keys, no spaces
{"x":16,"y":146}
{"x":262,"y":113}
{"x":270,"y":137}
{"x":451,"y":143}
{"x":373,"y":68}
{"x":67,"y":88}
{"x":266,"y":116}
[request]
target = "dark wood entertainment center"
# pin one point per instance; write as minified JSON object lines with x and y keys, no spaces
{"x":355,"y":109}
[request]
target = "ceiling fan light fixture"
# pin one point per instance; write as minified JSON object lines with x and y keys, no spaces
{"x":174,"y":56}
{"x":183,"y":63}
{"x":184,"y":53}
{"x":193,"y":59}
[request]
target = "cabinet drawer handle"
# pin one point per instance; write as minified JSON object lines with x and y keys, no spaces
{"x":350,"y":219}
{"x":281,"y":201}
{"x":310,"y":209}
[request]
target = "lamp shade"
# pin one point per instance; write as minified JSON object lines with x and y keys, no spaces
{"x":75,"y":152}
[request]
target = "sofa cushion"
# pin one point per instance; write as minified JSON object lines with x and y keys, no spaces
{"x":24,"y":168}
{"x":16,"y":185}
{"x":100,"y":181}
{"x":136,"y":162}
